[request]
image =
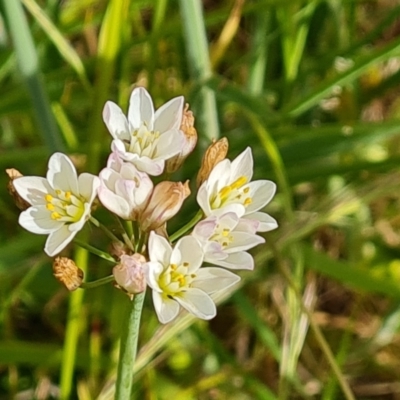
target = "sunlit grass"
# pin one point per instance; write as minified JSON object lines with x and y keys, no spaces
{"x":312,"y":88}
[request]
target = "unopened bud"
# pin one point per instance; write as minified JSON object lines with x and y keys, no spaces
{"x":19,"y":201}
{"x":165,"y":201}
{"x":190,"y":133}
{"x":67,"y":272}
{"x":129,"y":273}
{"x":215,"y":153}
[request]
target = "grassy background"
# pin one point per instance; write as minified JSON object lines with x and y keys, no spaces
{"x":313,"y":87}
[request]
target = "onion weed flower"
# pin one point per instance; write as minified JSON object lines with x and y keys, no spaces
{"x":176,"y":279}
{"x":228,"y":189}
{"x":146,"y":138}
{"x":225,"y":240}
{"x":60,"y":203}
{"x":123,"y":189}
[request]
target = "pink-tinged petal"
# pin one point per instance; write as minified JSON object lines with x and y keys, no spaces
{"x":149,"y":166}
{"x":169,"y":144}
{"x":240,"y":260}
{"x":116,"y":121}
{"x":247,"y":225}
{"x":114,"y":161}
{"x":214,"y":251}
{"x":141,"y":109}
{"x":242,"y":241}
{"x":88,"y":185}
{"x":198,"y":303}
{"x":37,"y":220}
{"x":166,"y":308}
{"x":58,"y":240}
{"x":114,"y":203}
{"x":159,"y":249}
{"x":265,"y":222}
{"x":33,"y":189}
{"x":242,"y":165}
{"x":62,"y":173}
{"x":188,"y":250}
{"x":212,"y":279}
{"x":261,"y":193}
{"x":204,"y":229}
{"x":169,"y":115}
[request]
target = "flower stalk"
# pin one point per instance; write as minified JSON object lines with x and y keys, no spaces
{"x":128,"y":348}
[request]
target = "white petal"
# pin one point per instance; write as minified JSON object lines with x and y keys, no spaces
{"x":188,"y":250}
{"x":243,"y":241}
{"x":198,"y":303}
{"x":242,"y":165}
{"x":153,"y":270}
{"x":203,"y":200}
{"x":62,"y":173}
{"x":166,"y":309}
{"x":261,"y":193}
{"x":169,"y":116}
{"x":169,"y":144}
{"x":141,"y":109}
{"x":204,"y":229}
{"x":37,"y":220}
{"x":33,"y":189}
{"x":115,"y":121}
{"x":58,"y":240}
{"x":213,"y":279}
{"x":239,"y":260}
{"x":159,"y":249}
{"x":265,"y":222}
{"x":88,"y":185}
{"x":149,"y":166}
{"x":114,"y":203}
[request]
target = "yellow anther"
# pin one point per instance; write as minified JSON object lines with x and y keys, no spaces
{"x":247,"y":201}
{"x":48,"y":197}
{"x":173,"y":267}
{"x":55,"y":215}
{"x":225,"y":232}
{"x":58,"y":191}
{"x":246,"y":190}
{"x":239,"y":182}
{"x":50,"y":206}
{"x":224,"y":244}
{"x":185,"y":264}
{"x":67,"y":195}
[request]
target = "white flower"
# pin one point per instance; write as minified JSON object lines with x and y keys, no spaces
{"x":228,"y":189}
{"x":145,"y":138}
{"x":224,"y":240}
{"x":177,"y":280}
{"x":124,"y":190}
{"x":60,"y":203}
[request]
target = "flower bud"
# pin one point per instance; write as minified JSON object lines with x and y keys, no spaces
{"x":67,"y":272}
{"x":19,"y":201}
{"x":215,"y":153}
{"x":190,"y":133}
{"x":165,"y":201}
{"x":129,"y":273}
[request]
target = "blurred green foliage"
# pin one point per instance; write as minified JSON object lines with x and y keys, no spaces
{"x":312,"y":86}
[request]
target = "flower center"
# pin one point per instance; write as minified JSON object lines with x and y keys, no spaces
{"x":143,"y":142}
{"x":175,"y":279}
{"x":233,"y":193}
{"x":65,"y":206}
{"x":222,"y":236}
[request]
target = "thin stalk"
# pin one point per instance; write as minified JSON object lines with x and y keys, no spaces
{"x":97,"y":223}
{"x":128,"y":349}
{"x":97,"y":283}
{"x":187,"y":227}
{"x":74,"y":321}
{"x":199,"y":61}
{"x":94,"y":250}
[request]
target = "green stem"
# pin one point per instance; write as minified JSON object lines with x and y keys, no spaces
{"x":128,"y":349}
{"x":98,"y":282}
{"x":97,"y":223}
{"x":180,"y":232}
{"x":93,"y":250}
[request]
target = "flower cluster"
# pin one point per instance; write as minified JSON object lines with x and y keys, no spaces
{"x":147,"y":143}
